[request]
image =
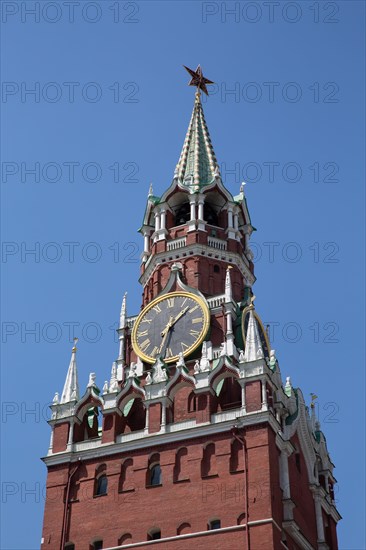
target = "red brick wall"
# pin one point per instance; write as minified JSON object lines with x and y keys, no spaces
{"x":253,"y":396}
{"x":60,"y":437}
{"x":304,"y":511}
{"x":193,"y":500}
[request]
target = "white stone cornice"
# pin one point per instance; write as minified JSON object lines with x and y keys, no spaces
{"x":292,"y":528}
{"x":143,"y":440}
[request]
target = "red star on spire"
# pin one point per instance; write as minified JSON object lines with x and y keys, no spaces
{"x":198,"y":79}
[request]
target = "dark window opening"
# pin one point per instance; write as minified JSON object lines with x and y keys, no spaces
{"x":97,"y":545}
{"x":183,"y":214}
{"x":69,"y":546}
{"x":102,"y":485}
{"x":214,"y":524}
{"x":216,"y":269}
{"x":127,"y":537}
{"x":154,"y":535}
{"x":155,"y":475}
{"x":210,"y":215}
{"x":192,"y":402}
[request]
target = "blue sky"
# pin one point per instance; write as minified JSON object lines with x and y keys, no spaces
{"x":108,"y":116}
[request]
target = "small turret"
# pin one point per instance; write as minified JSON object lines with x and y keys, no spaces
{"x":71,"y":387}
{"x":253,"y":343}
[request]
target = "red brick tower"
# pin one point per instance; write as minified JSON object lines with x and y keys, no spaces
{"x":200,"y":445}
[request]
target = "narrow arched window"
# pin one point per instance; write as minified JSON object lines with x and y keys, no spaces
{"x":125,"y":479}
{"x":125,"y":538}
{"x":216,"y":268}
{"x":155,"y":475}
{"x":154,"y":534}
{"x":180,"y":472}
{"x":101,"y":485}
{"x":214,"y":524}
{"x":184,"y":528}
{"x":236,"y":456}
{"x":208,"y":463}
{"x":192,"y":402}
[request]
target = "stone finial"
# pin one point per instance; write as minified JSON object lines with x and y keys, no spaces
{"x":204,"y":362}
{"x":272,"y":361}
{"x":71,"y":387}
{"x":105,"y":387}
{"x":132,"y":370}
{"x":181,"y":362}
{"x":56,"y":399}
{"x":228,"y":286}
{"x":223,"y":349}
{"x":91,"y":382}
{"x":242,"y":187}
{"x":241,"y":356}
{"x":113,"y":383}
{"x":123,"y":314}
{"x":151,"y":191}
{"x":159,"y":371}
{"x":288,"y":387}
{"x":196,"y":368}
{"x":148,"y":379}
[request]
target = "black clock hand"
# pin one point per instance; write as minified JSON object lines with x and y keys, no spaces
{"x":179,"y":315}
{"x":165,"y":333}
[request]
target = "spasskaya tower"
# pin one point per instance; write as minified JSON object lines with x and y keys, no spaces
{"x":195,"y":441}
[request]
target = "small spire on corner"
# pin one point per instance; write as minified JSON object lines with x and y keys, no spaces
{"x":71,"y":387}
{"x":228,"y":286}
{"x":122,"y":317}
{"x":151,"y":191}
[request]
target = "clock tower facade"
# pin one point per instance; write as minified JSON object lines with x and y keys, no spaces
{"x":195,"y":441}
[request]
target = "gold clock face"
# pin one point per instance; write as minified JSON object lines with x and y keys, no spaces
{"x":171,"y":324}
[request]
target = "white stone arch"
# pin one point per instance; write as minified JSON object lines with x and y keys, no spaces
{"x":180,"y":380}
{"x":224,"y":369}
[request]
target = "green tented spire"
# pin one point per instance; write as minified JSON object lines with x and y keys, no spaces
{"x":197,"y":165}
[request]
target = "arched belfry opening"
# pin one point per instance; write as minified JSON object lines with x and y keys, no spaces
{"x":210,"y":215}
{"x":182,"y":214}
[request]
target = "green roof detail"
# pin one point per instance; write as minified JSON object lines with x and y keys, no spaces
{"x":289,"y":420}
{"x":197,"y":163}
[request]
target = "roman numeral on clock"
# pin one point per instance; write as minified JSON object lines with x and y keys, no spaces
{"x":146,"y":320}
{"x":184,"y":346}
{"x":157,"y":309}
{"x":170,"y":302}
{"x":194,"y":332}
{"x":197,"y":320}
{"x":142,"y":333}
{"x":145,"y":344}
